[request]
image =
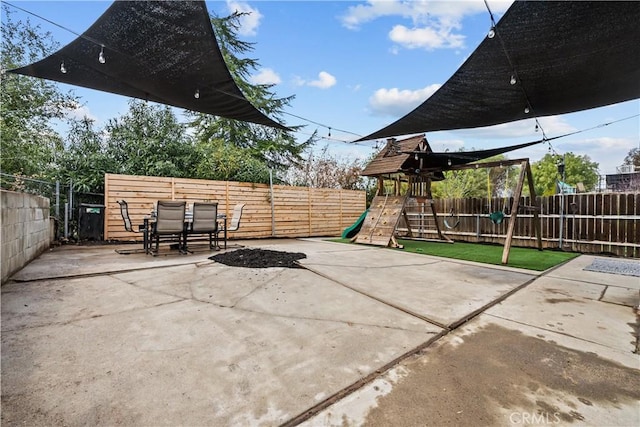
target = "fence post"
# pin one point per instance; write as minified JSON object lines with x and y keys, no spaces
{"x":66,"y":220}
{"x":273,"y":214}
{"x":57,"y":200}
{"x":561,"y":235}
{"x":68,"y":212}
{"x":309,"y":210}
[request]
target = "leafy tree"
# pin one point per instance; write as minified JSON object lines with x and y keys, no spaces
{"x":633,"y":158}
{"x":323,"y":170}
{"x":576,"y":168}
{"x":149,"y":140}
{"x":276,"y":148}
{"x":479,"y":182}
{"x":85,"y":160}
{"x":220,"y":161}
{"x":29,"y":144}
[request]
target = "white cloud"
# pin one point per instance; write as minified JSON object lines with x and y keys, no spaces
{"x":298,"y":81}
{"x":396,"y":102}
{"x":552,"y":126}
{"x":266,"y":76}
{"x":419,"y":11}
{"x":428,"y":38}
{"x":435,"y":23}
{"x":324,"y":81}
{"x":80,"y":112}
{"x":363,"y":13}
{"x":439,"y":145}
{"x":250,"y":22}
{"x":604,"y":144}
{"x":608,"y":152}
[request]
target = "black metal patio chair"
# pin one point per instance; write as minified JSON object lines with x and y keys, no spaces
{"x":205,"y":222}
{"x":169,"y":224}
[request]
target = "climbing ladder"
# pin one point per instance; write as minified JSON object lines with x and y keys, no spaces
{"x":380,"y":224}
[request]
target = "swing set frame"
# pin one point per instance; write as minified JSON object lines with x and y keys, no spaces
{"x":525,"y":171}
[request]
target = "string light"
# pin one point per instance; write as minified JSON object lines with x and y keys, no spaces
{"x":322,"y":124}
{"x":63,"y":69}
{"x":526,"y":110}
{"x":513,"y":79}
{"x":197,"y":94}
{"x":449,"y":162}
{"x":492,"y":32}
{"x":101,"y":58}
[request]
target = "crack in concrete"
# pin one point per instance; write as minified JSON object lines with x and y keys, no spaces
{"x":406,"y":311}
{"x":548,"y":330}
{"x":154,"y":291}
{"x":346,"y":322}
{"x":93,"y":316}
{"x":381,"y":267}
{"x":602,"y":293}
{"x":262,"y":285}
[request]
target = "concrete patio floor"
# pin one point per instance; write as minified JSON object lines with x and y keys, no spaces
{"x":360,"y":336}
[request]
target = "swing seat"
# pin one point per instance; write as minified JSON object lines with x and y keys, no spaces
{"x":455,"y":220}
{"x":496,"y":217}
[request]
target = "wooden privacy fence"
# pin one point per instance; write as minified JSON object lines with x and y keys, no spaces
{"x":586,"y":223}
{"x":270,"y":211}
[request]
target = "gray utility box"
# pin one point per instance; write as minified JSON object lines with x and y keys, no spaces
{"x":91,"y":222}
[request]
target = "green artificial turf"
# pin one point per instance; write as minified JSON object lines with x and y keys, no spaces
{"x":527,"y":258}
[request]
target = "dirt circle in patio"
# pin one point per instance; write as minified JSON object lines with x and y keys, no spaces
{"x":259,"y":258}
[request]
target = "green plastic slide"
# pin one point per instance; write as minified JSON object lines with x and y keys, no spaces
{"x":349,"y":232}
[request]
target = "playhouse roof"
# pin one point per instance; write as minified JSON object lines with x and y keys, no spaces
{"x":393,"y":157}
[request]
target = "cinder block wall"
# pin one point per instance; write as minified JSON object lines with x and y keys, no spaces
{"x":25,"y":229}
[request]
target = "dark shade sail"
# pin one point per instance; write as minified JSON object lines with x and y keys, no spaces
{"x":443,"y":161}
{"x":565,"y":56}
{"x":414,"y":155}
{"x":161,"y":51}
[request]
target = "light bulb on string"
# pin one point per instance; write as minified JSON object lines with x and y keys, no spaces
{"x":537,"y":127}
{"x":197,"y":94}
{"x":329,"y":135}
{"x":449,"y":162}
{"x":101,"y":58}
{"x":526,"y":110}
{"x":513,"y":79}
{"x":492,"y":32}
{"x":63,"y":69}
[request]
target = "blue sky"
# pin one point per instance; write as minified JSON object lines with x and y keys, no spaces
{"x":357,"y":66}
